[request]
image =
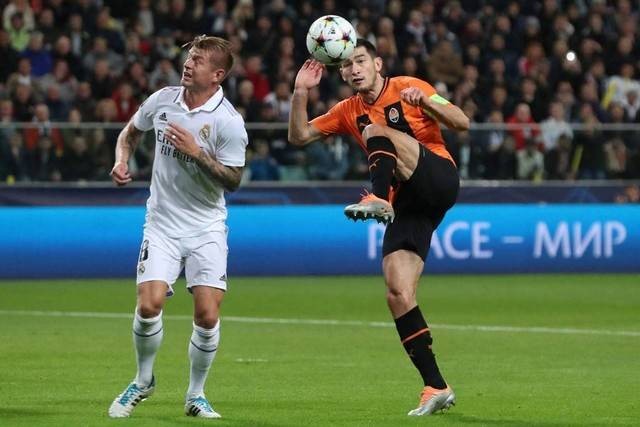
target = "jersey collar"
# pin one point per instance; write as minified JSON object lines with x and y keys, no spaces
{"x":211,"y":104}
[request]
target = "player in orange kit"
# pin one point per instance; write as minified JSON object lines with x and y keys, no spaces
{"x":414,"y":182}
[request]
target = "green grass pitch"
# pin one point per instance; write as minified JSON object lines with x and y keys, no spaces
{"x":563,"y":350}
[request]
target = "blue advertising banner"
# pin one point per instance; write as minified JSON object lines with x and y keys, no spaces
{"x":65,"y":242}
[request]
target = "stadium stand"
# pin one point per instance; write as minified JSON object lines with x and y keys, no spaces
{"x":551,"y":85}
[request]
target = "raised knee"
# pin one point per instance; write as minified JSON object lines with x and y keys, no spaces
{"x":147,"y":310}
{"x":372,"y":130}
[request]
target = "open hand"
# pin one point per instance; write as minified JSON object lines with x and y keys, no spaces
{"x":309,"y":74}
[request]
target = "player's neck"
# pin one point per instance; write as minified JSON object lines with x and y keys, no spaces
{"x":372,"y":94}
{"x":194,"y":98}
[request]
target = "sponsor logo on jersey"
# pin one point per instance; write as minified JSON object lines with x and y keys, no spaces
{"x":141,"y":268}
{"x":205,"y":132}
{"x":163,"y":117}
{"x":394,"y":115}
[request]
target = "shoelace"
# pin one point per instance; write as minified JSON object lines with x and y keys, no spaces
{"x":202,"y":403}
{"x":129,"y":393}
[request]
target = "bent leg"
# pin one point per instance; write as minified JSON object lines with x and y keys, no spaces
{"x":407,"y":148}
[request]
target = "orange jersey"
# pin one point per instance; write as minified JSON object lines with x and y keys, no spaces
{"x":351,"y":115}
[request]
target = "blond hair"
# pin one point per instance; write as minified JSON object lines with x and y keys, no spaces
{"x":217,"y":45}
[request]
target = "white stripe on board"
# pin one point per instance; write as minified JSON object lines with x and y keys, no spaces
{"x":331,"y":322}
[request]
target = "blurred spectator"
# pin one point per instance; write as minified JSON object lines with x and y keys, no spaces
{"x":328,"y":159}
{"x":22,"y":8}
{"x":101,"y":53}
{"x":530,"y":161}
{"x":85,"y":102}
{"x":126,"y":104}
{"x":280,"y":99}
{"x":555,"y":126}
{"x":18,"y":32}
{"x":163,"y":75}
{"x":246,"y":101}
{"x":631,"y":194}
{"x":63,"y":80}
{"x":9,"y":57}
{"x":42,"y":128}
{"x":101,"y":81}
{"x":559,"y":160}
{"x":262,"y":166}
{"x":47,"y":26}
{"x":619,"y":85}
{"x":588,"y":144}
{"x":45,"y":161}
{"x":23,"y":102}
{"x":524,"y":127}
{"x":14,"y":161}
{"x":22,"y":76}
{"x":80,"y":39}
{"x":253,"y":72}
{"x":40,"y":58}
{"x":62,"y":52}
{"x":445,"y":64}
{"x":77,"y":163}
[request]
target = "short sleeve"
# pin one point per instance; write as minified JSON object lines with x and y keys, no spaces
{"x":231,"y":143}
{"x":143,"y":118}
{"x":333,"y":121}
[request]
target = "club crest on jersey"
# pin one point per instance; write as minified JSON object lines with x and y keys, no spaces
{"x":394,"y":115}
{"x":205,"y":132}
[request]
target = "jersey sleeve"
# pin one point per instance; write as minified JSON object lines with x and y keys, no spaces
{"x":333,"y":121}
{"x":143,"y":118}
{"x":231,"y":143}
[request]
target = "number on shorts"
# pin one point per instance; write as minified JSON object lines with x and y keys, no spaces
{"x":144,"y":251}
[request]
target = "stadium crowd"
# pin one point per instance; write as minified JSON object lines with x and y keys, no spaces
{"x":538,"y":65}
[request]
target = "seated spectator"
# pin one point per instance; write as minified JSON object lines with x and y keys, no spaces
{"x":524,"y":127}
{"x":18,"y":32}
{"x":126,"y":104}
{"x":619,"y":85}
{"x":559,"y":160}
{"x":262,"y":166}
{"x":163,"y":75}
{"x":530,"y":162}
{"x":85,"y":102}
{"x":588,"y":144}
{"x":247,"y":101}
{"x":14,"y":160}
{"x":280,"y":100}
{"x":554,"y":126}
{"x":328,"y":159}
{"x":9,"y":57}
{"x":77,"y":163}
{"x":101,"y":81}
{"x":23,"y":102}
{"x":43,"y":128}
{"x":44,"y":161}
{"x":41,"y":59}
{"x":62,"y":78}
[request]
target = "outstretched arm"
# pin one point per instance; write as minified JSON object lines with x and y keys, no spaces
{"x":439,"y":108}
{"x":300,"y":131}
{"x":228,"y":176}
{"x":128,"y":140}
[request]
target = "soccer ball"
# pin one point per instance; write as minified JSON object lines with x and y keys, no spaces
{"x":331,"y":39}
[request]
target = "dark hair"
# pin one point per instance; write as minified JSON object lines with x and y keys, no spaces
{"x":371,"y":49}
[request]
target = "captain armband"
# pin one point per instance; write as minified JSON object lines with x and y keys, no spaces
{"x":438,"y":99}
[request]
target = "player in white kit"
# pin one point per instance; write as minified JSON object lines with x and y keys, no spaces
{"x":200,"y":153}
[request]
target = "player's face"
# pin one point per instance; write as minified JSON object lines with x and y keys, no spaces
{"x":360,"y":70}
{"x":199,"y":71}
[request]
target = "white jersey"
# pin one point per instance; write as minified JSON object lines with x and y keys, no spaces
{"x":184,"y":201}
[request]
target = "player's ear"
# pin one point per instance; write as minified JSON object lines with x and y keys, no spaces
{"x":377,"y":62}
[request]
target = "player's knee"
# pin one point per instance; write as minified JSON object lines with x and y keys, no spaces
{"x":206,"y":320}
{"x":397,"y":297}
{"x":372,"y":130}
{"x":148,"y":309}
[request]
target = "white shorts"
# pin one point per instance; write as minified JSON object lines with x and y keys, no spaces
{"x":203,"y":257}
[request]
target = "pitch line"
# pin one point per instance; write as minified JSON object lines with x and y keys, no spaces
{"x":332,"y":322}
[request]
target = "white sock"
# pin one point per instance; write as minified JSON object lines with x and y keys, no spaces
{"x":202,"y":350}
{"x":147,"y":336}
